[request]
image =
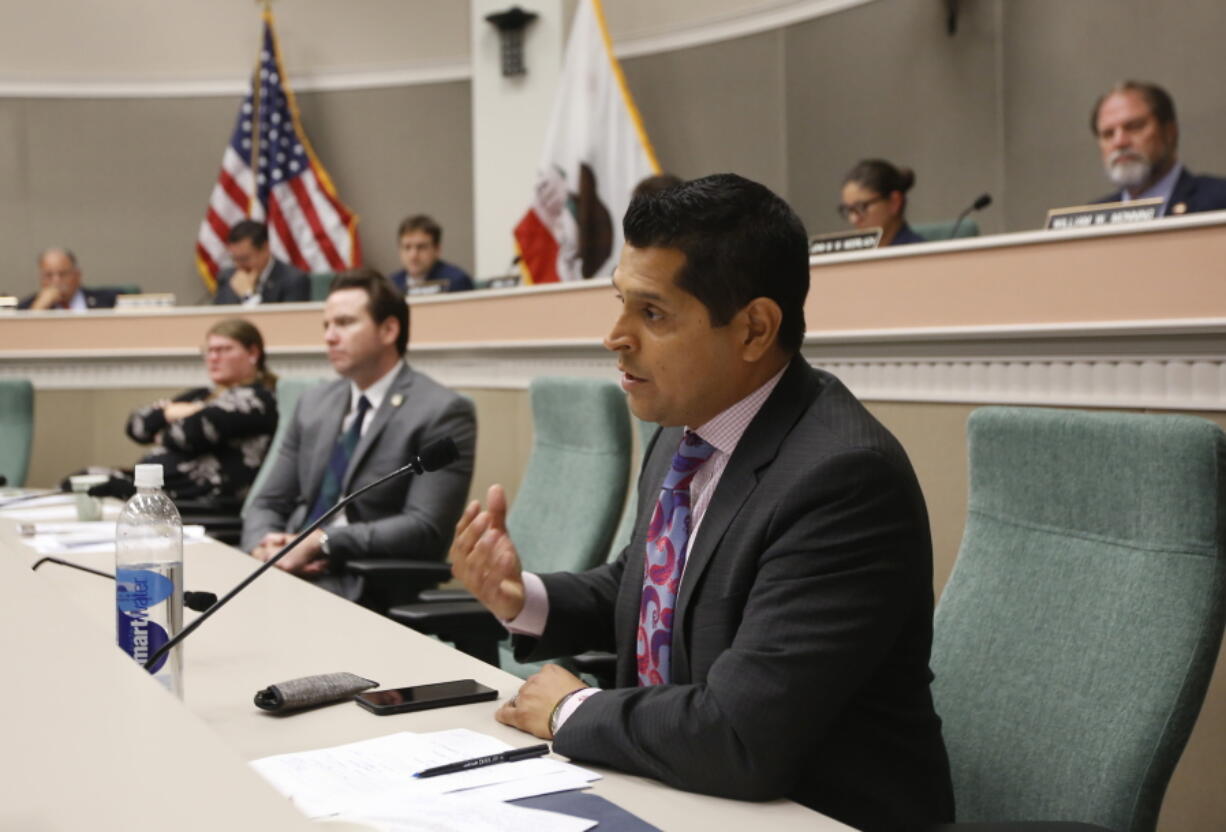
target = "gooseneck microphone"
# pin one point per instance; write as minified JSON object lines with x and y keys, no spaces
{"x":197,"y":601}
{"x":981,"y":202}
{"x":434,"y":456}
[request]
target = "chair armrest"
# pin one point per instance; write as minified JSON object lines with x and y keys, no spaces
{"x":451,"y":620}
{"x":382,"y":567}
{"x":437,"y":596}
{"x":385,"y":583}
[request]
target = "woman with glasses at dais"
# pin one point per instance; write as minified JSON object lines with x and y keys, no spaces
{"x":211,"y":441}
{"x":875,"y":196}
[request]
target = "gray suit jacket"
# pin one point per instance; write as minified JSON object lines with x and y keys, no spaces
{"x":409,"y":517}
{"x":285,"y":284}
{"x":802,"y":630}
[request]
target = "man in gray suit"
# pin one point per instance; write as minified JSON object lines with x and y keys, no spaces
{"x":256,"y":276}
{"x":348,"y":433}
{"x":772,"y":615}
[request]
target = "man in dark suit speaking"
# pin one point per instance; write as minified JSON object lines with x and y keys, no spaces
{"x":345,"y":434}
{"x":257,"y":276}
{"x":772,"y":615}
{"x":1138,"y":136}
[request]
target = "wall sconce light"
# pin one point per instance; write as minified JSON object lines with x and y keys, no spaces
{"x":511,"y":25}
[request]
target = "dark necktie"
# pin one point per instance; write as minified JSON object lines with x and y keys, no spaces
{"x":667,"y":537}
{"x":338,"y":464}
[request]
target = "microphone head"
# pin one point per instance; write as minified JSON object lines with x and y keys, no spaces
{"x":199,"y":601}
{"x":982,"y":202}
{"x":438,"y":454}
{"x":113,"y":487}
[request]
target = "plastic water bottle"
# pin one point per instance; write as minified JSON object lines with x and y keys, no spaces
{"x":149,"y":576}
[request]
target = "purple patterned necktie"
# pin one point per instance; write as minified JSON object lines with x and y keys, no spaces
{"x":666,"y":543}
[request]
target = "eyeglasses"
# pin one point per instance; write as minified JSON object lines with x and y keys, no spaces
{"x":858,"y":208}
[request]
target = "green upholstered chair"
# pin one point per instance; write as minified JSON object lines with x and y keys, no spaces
{"x":1078,"y":631}
{"x":933,"y":231}
{"x":320,"y":283}
{"x":565,"y":511}
{"x":121,"y":288}
{"x":289,"y":390}
{"x":16,"y":429}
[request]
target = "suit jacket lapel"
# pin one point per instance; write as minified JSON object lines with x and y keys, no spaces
{"x":334,"y":406}
{"x":396,"y":394}
{"x":758,"y":447}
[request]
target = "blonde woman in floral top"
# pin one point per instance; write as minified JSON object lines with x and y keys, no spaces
{"x":211,"y":441}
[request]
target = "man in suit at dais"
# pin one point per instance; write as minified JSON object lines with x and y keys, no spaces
{"x":345,"y":434}
{"x":1138,"y":137}
{"x":772,"y":614}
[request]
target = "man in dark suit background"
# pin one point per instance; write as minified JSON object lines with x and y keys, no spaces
{"x":257,"y":276}
{"x":419,"y":243}
{"x":772,"y":618}
{"x":1138,"y":137}
{"x":59,"y":285}
{"x":384,"y":413}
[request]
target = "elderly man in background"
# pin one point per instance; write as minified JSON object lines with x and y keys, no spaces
{"x":59,"y":285}
{"x":1138,"y":136}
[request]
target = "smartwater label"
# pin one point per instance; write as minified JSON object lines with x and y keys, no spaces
{"x":137,"y":591}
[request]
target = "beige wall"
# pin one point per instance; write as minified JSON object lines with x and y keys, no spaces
{"x":124,"y":182}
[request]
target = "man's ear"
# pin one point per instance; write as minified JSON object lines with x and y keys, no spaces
{"x":389,"y":329}
{"x":760,"y":322}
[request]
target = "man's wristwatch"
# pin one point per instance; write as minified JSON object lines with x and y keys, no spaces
{"x":324,"y":545}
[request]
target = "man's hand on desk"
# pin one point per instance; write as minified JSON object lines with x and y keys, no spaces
{"x":305,"y":559}
{"x":484,"y":559}
{"x":243,"y":282}
{"x":529,"y":710}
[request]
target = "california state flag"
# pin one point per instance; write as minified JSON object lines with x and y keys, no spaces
{"x":596,"y":151}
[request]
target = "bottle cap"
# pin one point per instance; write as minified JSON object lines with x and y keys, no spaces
{"x":148,"y":476}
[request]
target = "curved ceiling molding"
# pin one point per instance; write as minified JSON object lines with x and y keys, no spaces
{"x":628,"y":43}
{"x":762,"y":18}
{"x":460,"y":70}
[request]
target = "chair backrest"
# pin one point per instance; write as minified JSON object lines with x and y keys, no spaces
{"x":320,"y":283}
{"x":574,"y":485}
{"x":122,"y":288}
{"x":944,"y":230}
{"x":625,"y":528}
{"x":1077,"y":634}
{"x":288,"y":392}
{"x":16,"y":429}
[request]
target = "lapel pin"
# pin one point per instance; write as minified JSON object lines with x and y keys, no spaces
{"x":1179,"y":208}
{"x":397,"y":400}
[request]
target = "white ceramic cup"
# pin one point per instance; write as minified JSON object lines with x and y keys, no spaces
{"x":88,"y":508}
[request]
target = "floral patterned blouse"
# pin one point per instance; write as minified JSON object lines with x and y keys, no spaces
{"x":215,"y":453}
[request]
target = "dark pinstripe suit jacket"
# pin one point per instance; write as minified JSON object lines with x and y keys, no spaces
{"x":803,"y":625}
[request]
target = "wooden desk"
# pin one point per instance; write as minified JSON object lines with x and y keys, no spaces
{"x":280,"y":629}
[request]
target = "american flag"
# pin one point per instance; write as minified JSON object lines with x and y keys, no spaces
{"x":287,"y":188}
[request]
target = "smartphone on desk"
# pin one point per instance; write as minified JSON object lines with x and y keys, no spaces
{"x":422,"y":697}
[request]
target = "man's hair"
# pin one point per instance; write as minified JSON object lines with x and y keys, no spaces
{"x":420,"y":222}
{"x":72,"y":258}
{"x":657,"y":182}
{"x":256,"y":232}
{"x":1159,"y":100}
{"x":383,"y":300}
{"x":740,"y":242}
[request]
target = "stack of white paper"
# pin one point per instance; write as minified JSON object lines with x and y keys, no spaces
{"x":377,"y":776}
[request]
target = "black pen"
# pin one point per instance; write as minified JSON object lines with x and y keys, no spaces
{"x":514,"y":755}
